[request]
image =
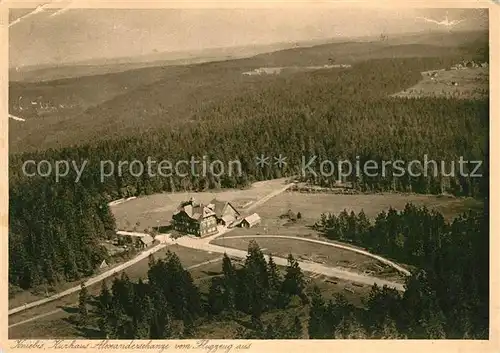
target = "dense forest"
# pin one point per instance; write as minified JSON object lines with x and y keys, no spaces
{"x":334,"y":115}
{"x":452,"y":259}
{"x":445,"y":298}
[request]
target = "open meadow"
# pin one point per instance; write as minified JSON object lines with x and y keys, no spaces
{"x":311,"y":206}
{"x":318,"y":253}
{"x":468,"y":83}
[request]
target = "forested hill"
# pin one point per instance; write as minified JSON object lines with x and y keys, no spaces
{"x":81,"y":110}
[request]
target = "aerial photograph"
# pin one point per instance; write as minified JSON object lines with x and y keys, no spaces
{"x":248,"y":174}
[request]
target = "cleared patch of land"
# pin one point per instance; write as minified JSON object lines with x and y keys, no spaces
{"x":156,"y":210}
{"x":323,"y":254}
{"x":311,"y":206}
{"x":465,"y":84}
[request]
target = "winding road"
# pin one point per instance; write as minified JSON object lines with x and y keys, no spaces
{"x":340,"y":246}
{"x":205,"y":245}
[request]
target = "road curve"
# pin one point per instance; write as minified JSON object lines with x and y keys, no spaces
{"x":91,"y":281}
{"x":305,"y":266}
{"x":340,"y":246}
{"x":140,"y":257}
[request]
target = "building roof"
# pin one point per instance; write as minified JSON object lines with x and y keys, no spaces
{"x":194,"y":210}
{"x":132,"y":234}
{"x":252,"y":219}
{"x":112,"y":249}
{"x":147,"y":239}
{"x":220,"y":206}
{"x":228,"y":218}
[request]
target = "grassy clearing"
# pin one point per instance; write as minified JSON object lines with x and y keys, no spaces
{"x":156,"y":210}
{"x":324,"y":254}
{"x":471,"y":83}
{"x":311,"y":206}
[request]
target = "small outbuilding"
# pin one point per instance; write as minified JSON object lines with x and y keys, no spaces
{"x":250,"y":221}
{"x":145,"y":241}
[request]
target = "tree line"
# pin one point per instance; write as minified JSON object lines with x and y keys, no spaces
{"x":169,"y":304}
{"x":333,"y":115}
{"x":452,"y":258}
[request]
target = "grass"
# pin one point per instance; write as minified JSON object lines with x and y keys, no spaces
{"x":156,"y":210}
{"x":305,"y":251}
{"x":311,"y":206}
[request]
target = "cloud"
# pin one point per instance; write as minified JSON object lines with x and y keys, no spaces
{"x":62,"y":10}
{"x":38,"y":9}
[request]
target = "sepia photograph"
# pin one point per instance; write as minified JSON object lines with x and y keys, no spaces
{"x":295,"y":173}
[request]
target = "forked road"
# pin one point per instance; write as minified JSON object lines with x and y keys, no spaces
{"x":204,"y":244}
{"x":62,"y":310}
{"x":129,"y":263}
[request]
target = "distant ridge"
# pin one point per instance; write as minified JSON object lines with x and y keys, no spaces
{"x":47,"y":72}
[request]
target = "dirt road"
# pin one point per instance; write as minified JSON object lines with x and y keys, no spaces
{"x":90,"y":281}
{"x":38,"y":317}
{"x":200,"y":244}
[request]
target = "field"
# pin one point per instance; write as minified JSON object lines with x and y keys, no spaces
{"x":324,"y":254}
{"x":311,"y":206}
{"x":56,"y":325}
{"x":156,"y":210}
{"x":470,"y":83}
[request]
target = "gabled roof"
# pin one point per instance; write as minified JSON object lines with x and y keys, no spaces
{"x":252,"y":219}
{"x":147,"y":239}
{"x":194,"y":211}
{"x":220,"y":206}
{"x":228,"y":218}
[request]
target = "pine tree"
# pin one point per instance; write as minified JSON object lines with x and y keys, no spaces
{"x":104,"y":309}
{"x":317,"y":327}
{"x":83,"y":300}
{"x":229,"y":285}
{"x":293,"y":282}
{"x":296,"y":330}
{"x":216,"y":297}
{"x":274,"y":283}
{"x":256,"y":279}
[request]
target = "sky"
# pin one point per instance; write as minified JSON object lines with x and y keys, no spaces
{"x":49,"y":36}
